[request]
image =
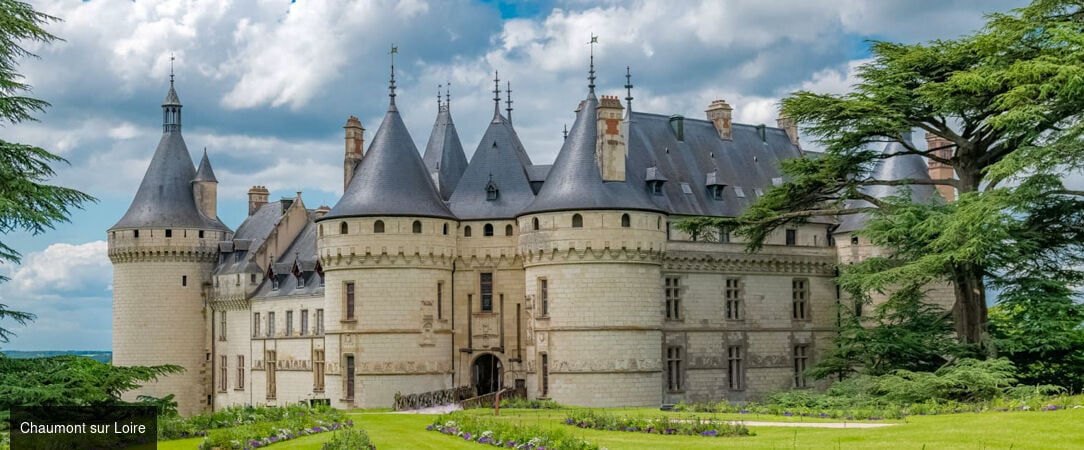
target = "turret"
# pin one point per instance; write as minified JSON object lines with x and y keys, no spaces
{"x":163,"y":250}
{"x":444,"y":157}
{"x":355,"y":142}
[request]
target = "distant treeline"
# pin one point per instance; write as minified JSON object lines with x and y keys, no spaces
{"x":101,"y":355}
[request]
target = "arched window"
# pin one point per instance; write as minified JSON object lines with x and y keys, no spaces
{"x":577,"y":221}
{"x":343,"y":228}
{"x":508,"y":230}
{"x":466,"y":231}
{"x":445,"y":229}
{"x":658,"y":223}
{"x":378,"y":227}
{"x":625,"y":222}
{"x":417,"y":227}
{"x":321,"y":230}
{"x":534,"y":222}
{"x":487,"y":230}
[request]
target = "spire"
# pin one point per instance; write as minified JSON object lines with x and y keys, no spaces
{"x":448,"y":96}
{"x":439,"y":105}
{"x":496,"y":94}
{"x":628,"y":91}
{"x":171,"y":106}
{"x":508,"y":101}
{"x":565,"y":132}
{"x":205,"y":173}
{"x":591,"y":77}
{"x":391,"y":84}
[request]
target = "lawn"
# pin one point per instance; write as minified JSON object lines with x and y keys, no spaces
{"x":1063,"y":429}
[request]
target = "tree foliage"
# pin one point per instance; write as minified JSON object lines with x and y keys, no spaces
{"x":1009,"y":100}
{"x":27,"y":201}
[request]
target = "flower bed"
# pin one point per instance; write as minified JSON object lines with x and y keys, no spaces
{"x":506,"y":434}
{"x":257,"y":435}
{"x":655,"y":425}
{"x":175,"y":427}
{"x":529,"y":404}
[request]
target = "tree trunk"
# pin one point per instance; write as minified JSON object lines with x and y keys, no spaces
{"x":969,"y":311}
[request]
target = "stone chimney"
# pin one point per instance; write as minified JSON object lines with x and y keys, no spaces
{"x":257,"y":197}
{"x":355,"y":142}
{"x":610,"y":148}
{"x":788,"y":126}
{"x":942,"y":148}
{"x":720,"y":114}
{"x":322,"y":211}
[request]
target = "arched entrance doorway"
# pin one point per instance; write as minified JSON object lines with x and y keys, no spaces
{"x":486,"y":374}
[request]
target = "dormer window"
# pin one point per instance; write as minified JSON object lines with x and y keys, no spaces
{"x":715,"y":186}
{"x":492,"y":193}
{"x":655,"y":180}
{"x":300,"y":281}
{"x":655,"y":187}
{"x":274,"y":283}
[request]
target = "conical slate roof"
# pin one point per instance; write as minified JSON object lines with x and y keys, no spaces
{"x":392,"y":179}
{"x":899,"y":167}
{"x":574,"y":182}
{"x":205,"y":173}
{"x":444,"y":157}
{"x":497,"y":162}
{"x":165,"y":198}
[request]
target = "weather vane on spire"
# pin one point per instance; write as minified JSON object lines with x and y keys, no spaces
{"x":496,"y":93}
{"x":591,"y":77}
{"x":448,"y":95}
{"x":171,"y":58}
{"x":508,"y":101}
{"x":628,"y":87}
{"x":391,"y":86}
{"x":439,"y":104}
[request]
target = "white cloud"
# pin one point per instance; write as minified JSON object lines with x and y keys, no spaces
{"x":63,"y":268}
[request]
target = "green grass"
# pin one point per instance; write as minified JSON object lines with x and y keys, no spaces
{"x":995,"y":430}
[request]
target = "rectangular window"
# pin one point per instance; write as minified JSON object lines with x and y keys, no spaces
{"x":255,"y":324}
{"x":792,"y":237}
{"x":349,"y":378}
{"x":724,"y":235}
{"x":318,"y":370}
{"x":240,"y":372}
{"x":673,"y":298}
{"x":349,"y":288}
{"x":801,"y":363}
{"x":304,"y":322}
{"x":289,"y":323}
{"x":270,"y":324}
{"x":169,"y":233}
{"x":733,"y":299}
{"x":251,"y":278}
{"x":184,"y":280}
{"x":201,"y":234}
{"x":544,"y":296}
{"x":545,"y":363}
{"x":735,"y":369}
{"x":319,"y":322}
{"x":487,"y":292}
{"x":673,"y":368}
{"x":440,"y":300}
{"x":272,"y":365}
{"x":223,"y":373}
{"x":800,"y":297}
{"x":222,"y":325}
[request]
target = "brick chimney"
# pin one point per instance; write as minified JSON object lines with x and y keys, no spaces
{"x":720,"y":114}
{"x":610,"y":147}
{"x":940,"y":171}
{"x":257,"y":197}
{"x":355,"y":142}
{"x":788,"y":126}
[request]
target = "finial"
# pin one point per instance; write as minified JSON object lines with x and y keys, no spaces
{"x":565,"y":132}
{"x":171,"y":58}
{"x":496,"y":93}
{"x":591,"y":77}
{"x":204,"y":152}
{"x":508,"y":101}
{"x":439,"y":105}
{"x":391,"y":85}
{"x":628,"y":89}
{"x":448,"y":95}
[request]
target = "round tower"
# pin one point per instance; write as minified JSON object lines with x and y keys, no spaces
{"x":163,"y":251}
{"x":592,"y":245}
{"x":387,"y":250}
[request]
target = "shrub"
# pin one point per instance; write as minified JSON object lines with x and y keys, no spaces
{"x":349,"y":439}
{"x":655,"y":425}
{"x":507,"y":434}
{"x":529,"y":404}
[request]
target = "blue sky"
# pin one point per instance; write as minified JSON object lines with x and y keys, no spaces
{"x":267,"y":86}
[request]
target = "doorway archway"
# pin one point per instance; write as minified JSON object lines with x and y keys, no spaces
{"x":486,"y":374}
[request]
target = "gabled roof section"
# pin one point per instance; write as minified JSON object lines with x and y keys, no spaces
{"x":298,"y":261}
{"x":498,"y":162}
{"x":205,"y":173}
{"x":444,"y":157}
{"x":574,"y":182}
{"x":745,"y":164}
{"x":899,"y":167}
{"x":392,"y":179}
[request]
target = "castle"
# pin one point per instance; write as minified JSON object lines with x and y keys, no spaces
{"x":430,"y":272}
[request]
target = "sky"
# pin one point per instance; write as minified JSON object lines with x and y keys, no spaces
{"x":267,"y":85}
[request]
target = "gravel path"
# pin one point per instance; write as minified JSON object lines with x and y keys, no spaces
{"x":753,"y":423}
{"x":442,"y":409}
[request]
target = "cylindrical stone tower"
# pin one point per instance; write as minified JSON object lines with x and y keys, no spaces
{"x":163,"y":251}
